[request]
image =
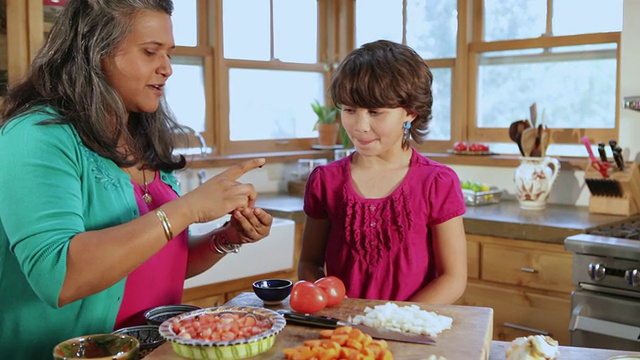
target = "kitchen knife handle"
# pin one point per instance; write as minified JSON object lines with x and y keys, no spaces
{"x":602,"y":152}
{"x":310,"y":320}
{"x":617,"y":156}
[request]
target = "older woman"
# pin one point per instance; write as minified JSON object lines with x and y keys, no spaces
{"x":93,"y":231}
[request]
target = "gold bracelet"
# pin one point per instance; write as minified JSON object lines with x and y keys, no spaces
{"x":166,"y":225}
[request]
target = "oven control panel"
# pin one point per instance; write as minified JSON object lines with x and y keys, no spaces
{"x":597,"y":272}
{"x":606,"y":271}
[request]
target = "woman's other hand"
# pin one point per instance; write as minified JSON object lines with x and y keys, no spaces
{"x":223,"y":194}
{"x":250,"y":225}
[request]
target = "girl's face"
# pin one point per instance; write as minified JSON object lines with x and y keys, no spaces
{"x":375,"y":132}
{"x":141,"y":63}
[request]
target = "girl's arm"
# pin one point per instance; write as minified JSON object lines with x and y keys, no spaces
{"x":450,"y":247}
{"x":314,"y":241}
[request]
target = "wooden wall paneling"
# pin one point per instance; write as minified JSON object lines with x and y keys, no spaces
{"x":17,"y":39}
{"x":35,"y":13}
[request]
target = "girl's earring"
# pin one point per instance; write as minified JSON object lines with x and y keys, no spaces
{"x":405,"y":135}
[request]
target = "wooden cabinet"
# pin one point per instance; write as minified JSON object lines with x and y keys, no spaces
{"x":527,"y":283}
{"x":473,"y":257}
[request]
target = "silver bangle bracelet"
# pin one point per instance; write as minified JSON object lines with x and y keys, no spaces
{"x":219,"y":244}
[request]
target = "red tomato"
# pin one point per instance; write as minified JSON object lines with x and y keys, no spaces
{"x":460,"y":146}
{"x":479,"y":147}
{"x":334,"y":287}
{"x":307,"y":298}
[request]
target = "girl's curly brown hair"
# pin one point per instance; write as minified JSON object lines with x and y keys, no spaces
{"x":385,"y":74}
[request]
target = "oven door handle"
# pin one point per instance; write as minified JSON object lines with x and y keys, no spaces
{"x":610,"y":328}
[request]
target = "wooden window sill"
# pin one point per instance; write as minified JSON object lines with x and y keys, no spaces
{"x":212,"y":161}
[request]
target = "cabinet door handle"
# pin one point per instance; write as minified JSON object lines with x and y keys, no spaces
{"x":525,"y":328}
{"x":528,"y":270}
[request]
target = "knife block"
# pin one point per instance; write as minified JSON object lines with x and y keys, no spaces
{"x":623,"y":188}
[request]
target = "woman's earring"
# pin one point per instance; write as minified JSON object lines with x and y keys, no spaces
{"x":405,"y":135}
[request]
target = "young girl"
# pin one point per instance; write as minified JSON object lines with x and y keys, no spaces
{"x":386,"y":220}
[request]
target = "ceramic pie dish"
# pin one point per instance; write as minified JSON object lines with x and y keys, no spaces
{"x":239,"y":348}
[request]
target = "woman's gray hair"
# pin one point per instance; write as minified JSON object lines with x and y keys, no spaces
{"x":67,"y":75}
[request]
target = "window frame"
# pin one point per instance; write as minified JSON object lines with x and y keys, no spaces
{"x":331,"y":32}
{"x":477,"y":46}
{"x":336,"y":38}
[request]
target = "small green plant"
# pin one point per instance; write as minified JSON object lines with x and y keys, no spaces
{"x":325,"y":114}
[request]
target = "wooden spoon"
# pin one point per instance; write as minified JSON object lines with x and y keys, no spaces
{"x":515,"y":132}
{"x":515,"y":129}
{"x":544,"y":142}
{"x":528,"y":140}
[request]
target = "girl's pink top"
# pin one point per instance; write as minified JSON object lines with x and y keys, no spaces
{"x":382,"y":248}
{"x":160,"y":279}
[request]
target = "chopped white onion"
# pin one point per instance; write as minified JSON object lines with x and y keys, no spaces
{"x":404,"y":319}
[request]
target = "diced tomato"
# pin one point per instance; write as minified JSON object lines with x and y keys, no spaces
{"x":220,"y":327}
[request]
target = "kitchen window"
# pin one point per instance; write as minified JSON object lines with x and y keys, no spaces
{"x":561,"y":54}
{"x":491,"y":60}
{"x":188,"y":92}
{"x":246,"y":71}
{"x":430,"y":28}
{"x":268,"y":73}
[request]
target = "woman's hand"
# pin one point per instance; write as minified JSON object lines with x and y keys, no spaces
{"x":249,"y":225}
{"x":223,"y":194}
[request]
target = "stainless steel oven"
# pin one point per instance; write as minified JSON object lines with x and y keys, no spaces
{"x":605,"y":306}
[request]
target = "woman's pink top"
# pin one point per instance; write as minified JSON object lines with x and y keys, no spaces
{"x":382,"y":248}
{"x":160,"y":279}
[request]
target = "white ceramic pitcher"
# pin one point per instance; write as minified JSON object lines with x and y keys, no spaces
{"x":533,"y":181}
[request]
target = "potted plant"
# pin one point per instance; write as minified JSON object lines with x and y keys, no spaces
{"x":326,"y":124}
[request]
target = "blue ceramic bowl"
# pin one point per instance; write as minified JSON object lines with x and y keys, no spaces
{"x":272,"y":291}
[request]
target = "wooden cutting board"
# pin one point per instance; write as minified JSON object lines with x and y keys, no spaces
{"x":468,"y":339}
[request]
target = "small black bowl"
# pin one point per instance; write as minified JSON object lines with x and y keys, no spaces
{"x":160,"y":314}
{"x":148,"y":335}
{"x":272,"y":291}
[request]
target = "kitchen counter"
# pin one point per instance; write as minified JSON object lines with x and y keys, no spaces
{"x":472,"y":327}
{"x":497,"y":352}
{"x":504,"y":219}
{"x":499,"y":348}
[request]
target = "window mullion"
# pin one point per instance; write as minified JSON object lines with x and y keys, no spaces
{"x":272,"y":31}
{"x":549,"y":26}
{"x":404,"y":22}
